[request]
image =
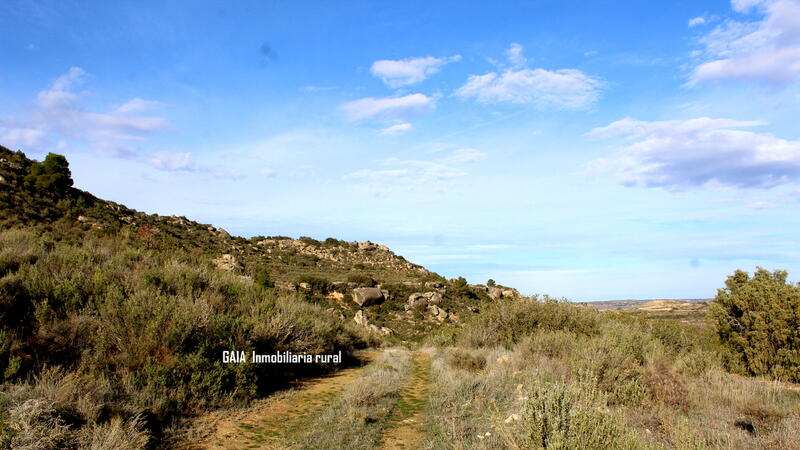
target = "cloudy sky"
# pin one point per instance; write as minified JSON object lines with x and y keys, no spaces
{"x":592,"y":150}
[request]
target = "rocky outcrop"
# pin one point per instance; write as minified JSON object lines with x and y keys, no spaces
{"x":361,"y":319}
{"x":227,"y":262}
{"x":438,"y":285}
{"x":368,"y":296}
{"x":344,"y":253}
{"x":496,"y":293}
{"x":438,"y":313}
{"x":418,"y":298}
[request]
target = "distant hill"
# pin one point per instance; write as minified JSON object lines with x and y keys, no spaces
{"x":635,"y":304}
{"x":285,"y":258}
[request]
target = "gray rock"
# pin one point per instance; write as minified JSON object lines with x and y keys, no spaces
{"x":437,"y":313}
{"x":434,"y":285}
{"x":227,"y":262}
{"x":368,"y":296}
{"x":423,"y":298}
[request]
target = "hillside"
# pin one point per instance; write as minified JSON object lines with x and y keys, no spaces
{"x":114,"y":324}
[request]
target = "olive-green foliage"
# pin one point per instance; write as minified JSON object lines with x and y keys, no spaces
{"x":153,"y":323}
{"x":362,"y":280}
{"x":262,"y":277}
{"x":52,"y":174}
{"x":507,"y":322}
{"x":317,"y":285}
{"x":559,"y":416}
{"x":758,"y":321}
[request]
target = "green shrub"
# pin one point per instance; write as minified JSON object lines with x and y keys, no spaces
{"x":758,"y":322}
{"x":561,"y":416}
{"x":261,"y":277}
{"x":506,"y":322}
{"x":317,"y":285}
{"x":52,"y":175}
{"x":362,"y":280}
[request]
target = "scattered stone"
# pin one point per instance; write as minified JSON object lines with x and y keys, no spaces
{"x":227,"y":262}
{"x":437,"y":313}
{"x":427,"y":298}
{"x":434,"y":285}
{"x":513,"y":418}
{"x":361,"y":319}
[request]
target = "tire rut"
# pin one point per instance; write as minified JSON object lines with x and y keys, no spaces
{"x":409,"y":419}
{"x":266,"y":421}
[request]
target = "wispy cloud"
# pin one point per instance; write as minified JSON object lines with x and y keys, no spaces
{"x":697,"y":21}
{"x":57,"y":114}
{"x":560,"y":89}
{"x":413,"y":174}
{"x":136,"y":105}
{"x":396,"y":130}
{"x":57,"y":117}
{"x":697,"y":153}
{"x":183,"y":162}
{"x":767,"y":50}
{"x":405,"y":72}
{"x":401,"y":108}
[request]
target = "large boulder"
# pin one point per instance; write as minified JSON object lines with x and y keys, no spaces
{"x":495,"y":293}
{"x":368,"y":296}
{"x":437,"y":313}
{"x":423,"y":298}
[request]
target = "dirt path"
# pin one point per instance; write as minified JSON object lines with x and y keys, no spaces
{"x":408,"y":418}
{"x":263,"y":424}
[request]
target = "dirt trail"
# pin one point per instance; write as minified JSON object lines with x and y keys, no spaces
{"x":264,"y":423}
{"x":409,"y":419}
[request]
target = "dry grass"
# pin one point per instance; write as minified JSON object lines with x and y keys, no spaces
{"x":357,"y":418}
{"x":620,"y":383}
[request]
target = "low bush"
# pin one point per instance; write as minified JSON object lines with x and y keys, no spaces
{"x":149,"y":326}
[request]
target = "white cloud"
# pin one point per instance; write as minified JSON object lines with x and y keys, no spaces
{"x":136,"y":105}
{"x":17,"y":138}
{"x":515,"y":56}
{"x":697,"y":153}
{"x":57,"y":115}
{"x":415,"y":174}
{"x":72,"y":78}
{"x":697,"y":21}
{"x":560,"y":89}
{"x":767,"y":50}
{"x":388,"y":107}
{"x":172,"y":162}
{"x":404,"y":72}
{"x":396,"y":130}
{"x":183,"y":162}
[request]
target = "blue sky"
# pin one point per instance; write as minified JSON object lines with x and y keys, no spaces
{"x":625,"y":149}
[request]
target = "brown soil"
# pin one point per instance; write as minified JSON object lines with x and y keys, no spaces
{"x":265,"y":422}
{"x":409,"y":418}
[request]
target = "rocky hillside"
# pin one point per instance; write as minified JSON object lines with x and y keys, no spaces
{"x":53,"y":209}
{"x":406,"y":300}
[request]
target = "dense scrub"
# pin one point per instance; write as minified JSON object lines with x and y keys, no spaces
{"x":758,"y":322}
{"x":546,"y":374}
{"x":131,"y":336}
